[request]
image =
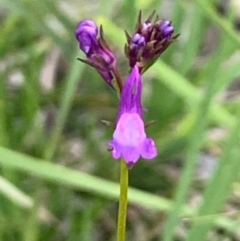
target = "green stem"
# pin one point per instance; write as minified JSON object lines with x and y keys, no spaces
{"x":122,"y":209}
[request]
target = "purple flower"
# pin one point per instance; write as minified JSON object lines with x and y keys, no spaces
{"x":129,"y":138}
{"x":96,"y":49}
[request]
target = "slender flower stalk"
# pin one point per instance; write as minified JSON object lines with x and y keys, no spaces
{"x":123,"y":199}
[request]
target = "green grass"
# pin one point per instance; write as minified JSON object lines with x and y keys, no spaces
{"x":57,"y":179}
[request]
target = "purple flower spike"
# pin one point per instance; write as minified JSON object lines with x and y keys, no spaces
{"x":129,"y":138}
{"x":166,"y":29}
{"x":96,"y":49}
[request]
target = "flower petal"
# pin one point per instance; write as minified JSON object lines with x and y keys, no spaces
{"x":129,"y":130}
{"x":116,"y":149}
{"x":149,"y":149}
{"x":130,"y":154}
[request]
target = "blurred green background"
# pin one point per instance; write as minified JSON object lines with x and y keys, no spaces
{"x":57,"y":179}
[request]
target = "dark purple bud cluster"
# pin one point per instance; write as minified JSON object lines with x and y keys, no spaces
{"x":96,"y":49}
{"x":149,"y":41}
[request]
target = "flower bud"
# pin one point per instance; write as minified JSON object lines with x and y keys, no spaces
{"x":96,"y":49}
{"x":166,"y":29}
{"x":86,"y":34}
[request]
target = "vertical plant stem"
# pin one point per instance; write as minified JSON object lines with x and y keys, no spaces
{"x":122,"y":209}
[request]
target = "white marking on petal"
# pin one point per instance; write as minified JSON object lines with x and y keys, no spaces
{"x":130,"y":130}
